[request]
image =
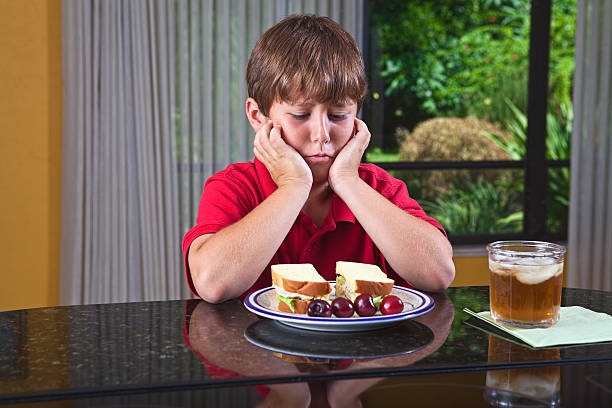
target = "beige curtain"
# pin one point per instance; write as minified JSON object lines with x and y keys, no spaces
{"x":154,"y":97}
{"x":590,"y":225}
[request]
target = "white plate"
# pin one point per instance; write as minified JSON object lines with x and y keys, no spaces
{"x":264,"y":303}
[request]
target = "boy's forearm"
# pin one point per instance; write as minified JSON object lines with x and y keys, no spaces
{"x":415,"y":249}
{"x":230,"y":261}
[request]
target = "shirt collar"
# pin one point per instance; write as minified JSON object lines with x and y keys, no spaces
{"x":339,"y":210}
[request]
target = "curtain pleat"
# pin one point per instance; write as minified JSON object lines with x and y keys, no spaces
{"x":154,"y":104}
{"x":590,"y":226}
{"x":207,"y":154}
{"x":122,"y":244}
{"x":605,"y":80}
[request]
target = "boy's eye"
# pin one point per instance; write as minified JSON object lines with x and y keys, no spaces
{"x":337,"y":117}
{"x":299,"y":116}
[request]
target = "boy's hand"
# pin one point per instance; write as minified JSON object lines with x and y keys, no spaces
{"x":284,"y":163}
{"x":346,"y":165}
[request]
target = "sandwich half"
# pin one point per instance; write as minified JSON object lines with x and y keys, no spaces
{"x":353,"y":279}
{"x":296,"y":285}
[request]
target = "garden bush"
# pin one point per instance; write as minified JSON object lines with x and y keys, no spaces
{"x":450,"y":139}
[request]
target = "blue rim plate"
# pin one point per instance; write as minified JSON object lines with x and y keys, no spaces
{"x":264,"y":303}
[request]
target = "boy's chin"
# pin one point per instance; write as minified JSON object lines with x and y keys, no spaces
{"x":320,"y":171}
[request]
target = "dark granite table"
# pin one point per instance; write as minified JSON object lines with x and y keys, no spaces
{"x":190,"y":353}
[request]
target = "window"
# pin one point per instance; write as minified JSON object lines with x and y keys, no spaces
{"x":467,"y":107}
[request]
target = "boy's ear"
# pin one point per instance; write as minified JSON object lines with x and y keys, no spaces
{"x":256,"y":118}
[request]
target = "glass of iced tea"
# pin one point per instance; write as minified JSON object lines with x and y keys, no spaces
{"x":525,"y":279}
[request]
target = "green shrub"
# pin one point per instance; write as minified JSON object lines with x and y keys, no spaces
{"x":479,"y":209}
{"x":559,"y":131}
{"x":450,"y":139}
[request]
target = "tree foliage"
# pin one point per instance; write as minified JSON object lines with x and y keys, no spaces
{"x":460,"y":57}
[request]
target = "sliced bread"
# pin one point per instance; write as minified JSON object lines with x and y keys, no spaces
{"x":302,"y":279}
{"x":353,"y":279}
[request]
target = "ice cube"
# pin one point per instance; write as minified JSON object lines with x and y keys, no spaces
{"x":500,"y":268}
{"x":534,"y":274}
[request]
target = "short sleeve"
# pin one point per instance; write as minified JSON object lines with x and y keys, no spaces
{"x":226,"y":198}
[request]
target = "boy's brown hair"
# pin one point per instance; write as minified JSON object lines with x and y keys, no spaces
{"x":306,"y":56}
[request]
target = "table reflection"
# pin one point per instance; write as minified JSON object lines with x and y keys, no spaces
{"x":402,"y":338}
{"x":522,"y":387}
{"x":217,"y":338}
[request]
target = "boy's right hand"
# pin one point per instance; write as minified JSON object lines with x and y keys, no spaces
{"x":284,"y":163}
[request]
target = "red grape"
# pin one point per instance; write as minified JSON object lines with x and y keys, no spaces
{"x":342,"y":307}
{"x":319,"y":308}
{"x":391,"y":305}
{"x":364,"y":305}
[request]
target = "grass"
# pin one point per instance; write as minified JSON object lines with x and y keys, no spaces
{"x":378,"y":155}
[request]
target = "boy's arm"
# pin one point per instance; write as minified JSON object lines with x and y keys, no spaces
{"x":226,"y":264}
{"x":415,"y":249}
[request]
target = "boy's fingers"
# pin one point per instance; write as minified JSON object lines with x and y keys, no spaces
{"x":270,"y":144}
{"x":262,"y":137}
{"x":263,"y":156}
{"x":363,"y":133}
{"x":361,"y":126}
{"x":276,"y":140}
{"x":264,"y":130}
{"x":260,"y":154}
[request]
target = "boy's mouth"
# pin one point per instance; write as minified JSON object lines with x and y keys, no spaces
{"x":318,"y":158}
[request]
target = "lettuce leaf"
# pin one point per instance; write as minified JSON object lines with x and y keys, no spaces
{"x":289,"y":301}
{"x":377,"y":301}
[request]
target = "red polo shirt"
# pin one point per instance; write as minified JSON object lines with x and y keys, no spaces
{"x":232,"y":193}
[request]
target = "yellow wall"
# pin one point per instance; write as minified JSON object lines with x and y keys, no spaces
{"x":30,"y":152}
{"x":473,"y":270}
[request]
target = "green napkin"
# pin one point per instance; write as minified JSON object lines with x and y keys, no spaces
{"x":576,"y":325}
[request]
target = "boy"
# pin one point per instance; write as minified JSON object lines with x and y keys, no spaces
{"x":307,"y":198}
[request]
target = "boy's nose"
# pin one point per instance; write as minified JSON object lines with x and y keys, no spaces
{"x":320,"y":131}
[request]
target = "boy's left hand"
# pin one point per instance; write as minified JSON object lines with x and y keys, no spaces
{"x":346,"y":164}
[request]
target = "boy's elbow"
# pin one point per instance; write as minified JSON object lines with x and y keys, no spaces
{"x":209,"y":290}
{"x":206,"y":285}
{"x":447,"y":267}
{"x":205,"y":281}
{"x":442,"y":276}
{"x":213,"y":296}
{"x":446,"y":276}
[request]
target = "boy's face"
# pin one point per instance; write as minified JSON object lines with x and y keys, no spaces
{"x":317,"y":131}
